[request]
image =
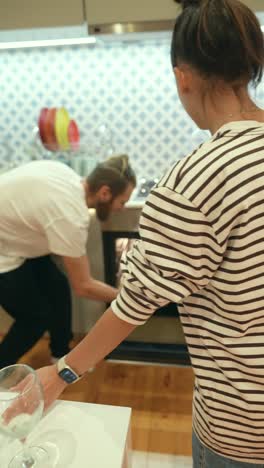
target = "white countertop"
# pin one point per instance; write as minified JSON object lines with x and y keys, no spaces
{"x":79,"y":435}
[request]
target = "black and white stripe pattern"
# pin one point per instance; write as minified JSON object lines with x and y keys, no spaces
{"x":202,"y":247}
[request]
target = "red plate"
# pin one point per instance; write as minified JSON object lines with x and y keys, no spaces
{"x":41,"y":124}
{"x":51,"y":140}
{"x":73,"y":135}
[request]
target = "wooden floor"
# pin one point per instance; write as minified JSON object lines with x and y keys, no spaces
{"x":160,"y":397}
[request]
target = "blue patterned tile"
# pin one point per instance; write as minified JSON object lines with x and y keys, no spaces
{"x":130,"y":88}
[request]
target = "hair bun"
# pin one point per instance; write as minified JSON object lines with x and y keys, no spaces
{"x":188,"y":3}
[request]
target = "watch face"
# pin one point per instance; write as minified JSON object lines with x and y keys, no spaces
{"x":68,"y":375}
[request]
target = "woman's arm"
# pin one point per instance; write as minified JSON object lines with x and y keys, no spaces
{"x":106,"y":334}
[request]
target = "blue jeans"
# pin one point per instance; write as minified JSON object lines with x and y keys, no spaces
{"x":205,"y":458}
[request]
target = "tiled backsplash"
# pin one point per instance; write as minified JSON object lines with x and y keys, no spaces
{"x":123,"y":91}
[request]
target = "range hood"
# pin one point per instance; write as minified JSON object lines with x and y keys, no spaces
{"x":123,"y":17}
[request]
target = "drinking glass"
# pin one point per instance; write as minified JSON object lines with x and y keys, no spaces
{"x":21,"y":408}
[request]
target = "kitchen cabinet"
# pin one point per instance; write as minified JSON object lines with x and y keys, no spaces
{"x":103,"y":13}
{"x":99,"y":14}
{"x":26,"y":14}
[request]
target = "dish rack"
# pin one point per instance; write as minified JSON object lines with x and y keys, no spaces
{"x":91,"y":151}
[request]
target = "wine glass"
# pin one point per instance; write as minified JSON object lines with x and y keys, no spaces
{"x":21,"y":408}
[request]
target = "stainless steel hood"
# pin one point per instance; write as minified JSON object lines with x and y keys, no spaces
{"x":118,"y":17}
{"x":131,"y":27}
{"x":123,"y":17}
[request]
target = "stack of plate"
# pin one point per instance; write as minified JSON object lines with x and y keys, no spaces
{"x":57,"y":130}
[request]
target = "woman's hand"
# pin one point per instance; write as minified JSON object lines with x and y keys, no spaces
{"x":51,"y":383}
{"x":52,"y":386}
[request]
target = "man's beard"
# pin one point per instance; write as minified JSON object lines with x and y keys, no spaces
{"x":103,"y":210}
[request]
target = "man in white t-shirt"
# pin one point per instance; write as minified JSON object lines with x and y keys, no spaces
{"x":44,"y":210}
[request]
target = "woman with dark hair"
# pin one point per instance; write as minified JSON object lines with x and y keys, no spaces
{"x":202,"y":241}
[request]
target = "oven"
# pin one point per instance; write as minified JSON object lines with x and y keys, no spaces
{"x":160,"y":340}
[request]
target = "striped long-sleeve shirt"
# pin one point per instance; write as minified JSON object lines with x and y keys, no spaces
{"x":202,"y":247}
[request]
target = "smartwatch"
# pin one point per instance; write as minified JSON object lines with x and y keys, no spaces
{"x":65,"y":372}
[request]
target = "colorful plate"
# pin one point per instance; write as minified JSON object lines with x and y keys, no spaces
{"x":73,"y":135}
{"x":62,"y":121}
{"x":51,"y":140}
{"x":41,"y":124}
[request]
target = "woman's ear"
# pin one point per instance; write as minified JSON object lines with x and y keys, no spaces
{"x":183,"y":79}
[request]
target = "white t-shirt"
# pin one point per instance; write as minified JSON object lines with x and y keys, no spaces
{"x":42,"y":211}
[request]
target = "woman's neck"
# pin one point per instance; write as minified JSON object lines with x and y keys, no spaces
{"x":229,"y":105}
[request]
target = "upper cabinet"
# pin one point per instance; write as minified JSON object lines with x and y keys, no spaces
{"x":25,"y":14}
{"x":128,"y":16}
{"x":102,"y":16}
